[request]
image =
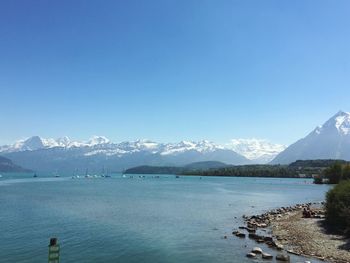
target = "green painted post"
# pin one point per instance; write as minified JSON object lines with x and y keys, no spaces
{"x":54,"y":251}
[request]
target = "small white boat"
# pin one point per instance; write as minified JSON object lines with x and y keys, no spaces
{"x":56,"y":174}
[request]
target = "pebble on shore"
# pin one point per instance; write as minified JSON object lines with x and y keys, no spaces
{"x":251,"y":255}
{"x":262,"y":221}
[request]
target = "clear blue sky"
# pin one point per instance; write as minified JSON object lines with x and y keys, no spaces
{"x":172,"y":70}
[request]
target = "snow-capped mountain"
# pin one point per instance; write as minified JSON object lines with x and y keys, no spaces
{"x":329,"y":141}
{"x":96,"y":140}
{"x":100,"y":144}
{"x":36,"y":143}
{"x":64,"y":154}
{"x":183,"y":146}
{"x":258,"y":150}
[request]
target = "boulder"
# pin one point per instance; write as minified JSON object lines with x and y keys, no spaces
{"x":240,"y":234}
{"x":235,"y":232}
{"x":257,"y":250}
{"x":251,"y":255}
{"x":255,"y":236}
{"x":270,"y":239}
{"x":293,"y":252}
{"x":266,"y":256}
{"x":283,"y":257}
{"x":250,"y":230}
{"x":279,"y":246}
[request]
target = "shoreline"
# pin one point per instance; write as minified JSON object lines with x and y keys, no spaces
{"x":291,"y":233}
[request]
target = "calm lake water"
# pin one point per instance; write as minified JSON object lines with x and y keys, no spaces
{"x":138,"y":219}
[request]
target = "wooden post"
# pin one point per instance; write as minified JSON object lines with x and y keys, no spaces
{"x":54,"y":251}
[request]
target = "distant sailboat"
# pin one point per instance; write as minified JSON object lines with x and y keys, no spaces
{"x":87,"y":175}
{"x":75,"y":174}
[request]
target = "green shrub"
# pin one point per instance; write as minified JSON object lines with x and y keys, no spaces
{"x":338,"y":207}
{"x":334,"y":173}
{"x":346,"y":172}
{"x":318,"y":180}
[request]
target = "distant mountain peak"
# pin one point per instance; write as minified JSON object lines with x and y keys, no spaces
{"x":342,"y":122}
{"x":62,"y":141}
{"x":341,"y":113}
{"x":33,"y":143}
{"x":328,"y":141}
{"x":94,"y":140}
{"x":258,"y":150}
{"x":339,"y":123}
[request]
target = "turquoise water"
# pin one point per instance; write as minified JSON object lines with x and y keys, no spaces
{"x":138,"y":219}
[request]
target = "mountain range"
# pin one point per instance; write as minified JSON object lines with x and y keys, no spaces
{"x":257,"y":150}
{"x":329,"y":141}
{"x":99,"y":153}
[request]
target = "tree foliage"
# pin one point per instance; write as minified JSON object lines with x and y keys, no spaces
{"x":333,"y":173}
{"x":338,"y":207}
{"x":318,"y":163}
{"x":336,"y":173}
{"x":346,"y":172}
{"x":249,"y":171}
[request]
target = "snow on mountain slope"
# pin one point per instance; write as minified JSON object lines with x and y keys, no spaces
{"x":35,"y":143}
{"x":257,"y":150}
{"x":329,"y":141}
{"x":183,"y":146}
{"x":64,"y":155}
{"x":101,"y":143}
{"x":30,"y":144}
{"x":95,"y":140}
{"x":339,"y":124}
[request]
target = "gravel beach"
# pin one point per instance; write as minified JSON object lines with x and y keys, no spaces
{"x":306,"y":236}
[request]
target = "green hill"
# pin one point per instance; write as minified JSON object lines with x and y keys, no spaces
{"x":7,"y":166}
{"x":302,"y":168}
{"x":197,"y":166}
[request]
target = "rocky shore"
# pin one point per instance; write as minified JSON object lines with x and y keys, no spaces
{"x":294,"y":230}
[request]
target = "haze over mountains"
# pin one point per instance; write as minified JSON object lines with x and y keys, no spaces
{"x":257,"y":150}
